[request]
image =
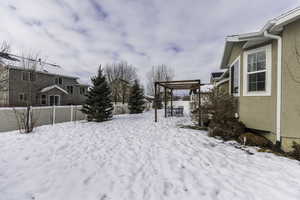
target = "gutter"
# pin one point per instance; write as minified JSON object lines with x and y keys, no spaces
{"x":279,"y":84}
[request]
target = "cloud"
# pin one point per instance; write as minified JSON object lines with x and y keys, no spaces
{"x":185,"y":35}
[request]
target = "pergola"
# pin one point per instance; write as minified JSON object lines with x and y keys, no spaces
{"x":177,"y":85}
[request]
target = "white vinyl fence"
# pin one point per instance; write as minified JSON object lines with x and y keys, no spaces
{"x":42,"y":116}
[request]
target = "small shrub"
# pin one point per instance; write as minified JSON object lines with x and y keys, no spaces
{"x":231,"y":130}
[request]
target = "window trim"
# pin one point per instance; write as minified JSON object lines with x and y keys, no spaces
{"x":21,"y":94}
{"x":59,"y":100}
{"x":23,"y":75}
{"x":238,"y":59}
{"x":32,"y":74}
{"x":24,"y":97}
{"x":71,"y":92}
{"x":268,"y":70}
{"x":41,"y":99}
{"x":58,"y":80}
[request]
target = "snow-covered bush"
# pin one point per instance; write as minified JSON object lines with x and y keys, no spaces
{"x":222,"y":109}
{"x":120,"y":108}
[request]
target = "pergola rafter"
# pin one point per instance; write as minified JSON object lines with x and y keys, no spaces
{"x":177,"y":85}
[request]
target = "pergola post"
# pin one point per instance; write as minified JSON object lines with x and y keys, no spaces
{"x":172,"y":102}
{"x":165,"y":98}
{"x":176,"y":85}
{"x":155,"y":101}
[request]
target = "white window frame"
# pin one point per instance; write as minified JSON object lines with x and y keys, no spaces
{"x":54,"y":99}
{"x":238,"y":59}
{"x":268,"y":70}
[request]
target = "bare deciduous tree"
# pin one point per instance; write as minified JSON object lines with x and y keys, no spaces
{"x":26,"y":120}
{"x":120,"y":76}
{"x":4,"y":48}
{"x":158,"y":73}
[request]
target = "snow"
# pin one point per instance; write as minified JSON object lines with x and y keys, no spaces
{"x":207,"y":88}
{"x":46,"y":89}
{"x":133,"y":158}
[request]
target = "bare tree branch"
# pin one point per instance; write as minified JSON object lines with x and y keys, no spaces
{"x":158,"y":73}
{"x":120,"y":76}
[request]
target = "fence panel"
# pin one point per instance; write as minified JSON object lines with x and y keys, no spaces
{"x":41,"y":115}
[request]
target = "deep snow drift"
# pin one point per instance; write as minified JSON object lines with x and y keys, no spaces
{"x":131,"y":158}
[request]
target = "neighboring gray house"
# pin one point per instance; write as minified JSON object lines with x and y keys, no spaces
{"x":20,"y":87}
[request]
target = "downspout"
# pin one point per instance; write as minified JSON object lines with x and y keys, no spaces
{"x":279,"y":85}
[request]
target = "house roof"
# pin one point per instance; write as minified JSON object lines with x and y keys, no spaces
{"x":42,"y":71}
{"x":222,"y":81}
{"x":274,"y":26}
{"x":216,"y":74}
{"x":149,"y":97}
{"x":46,"y":89}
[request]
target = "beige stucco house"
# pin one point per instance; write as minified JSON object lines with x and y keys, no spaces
{"x":264,"y":74}
{"x":221,"y":82}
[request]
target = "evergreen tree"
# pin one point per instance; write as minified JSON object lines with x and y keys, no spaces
{"x":98,"y":105}
{"x":158,"y":102}
{"x":136,"y":102}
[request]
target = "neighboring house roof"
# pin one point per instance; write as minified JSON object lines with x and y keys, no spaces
{"x":121,"y":80}
{"x":216,"y":74}
{"x":41,"y":72}
{"x":149,"y":97}
{"x":81,"y":84}
{"x":274,"y":26}
{"x":46,"y":89}
{"x":222,"y":81}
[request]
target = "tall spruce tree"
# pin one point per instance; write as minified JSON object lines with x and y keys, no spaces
{"x":98,"y":105}
{"x":136,"y":102}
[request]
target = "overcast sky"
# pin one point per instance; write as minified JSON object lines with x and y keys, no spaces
{"x":187,"y":35}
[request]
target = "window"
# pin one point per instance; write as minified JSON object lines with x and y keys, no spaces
{"x":43,"y":100}
{"x":24,"y":76}
{"x":70,"y":89}
{"x":54,"y":100}
{"x":257,"y":72}
{"x":82,"y":90}
{"x":32,"y":76}
{"x":58,"y":81}
{"x":22,"y":97}
{"x":28,"y":76}
{"x":235,"y":77}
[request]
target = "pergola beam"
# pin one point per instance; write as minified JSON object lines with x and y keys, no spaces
{"x":178,"y":85}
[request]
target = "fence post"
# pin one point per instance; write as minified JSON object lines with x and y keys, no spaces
{"x":53,"y":115}
{"x":72,"y":108}
{"x":75,"y":115}
{"x":29,"y":115}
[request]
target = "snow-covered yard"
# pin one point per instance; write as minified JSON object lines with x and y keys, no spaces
{"x":131,"y":158}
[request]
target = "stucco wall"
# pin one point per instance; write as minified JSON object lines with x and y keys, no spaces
{"x":291,"y":85}
{"x":259,"y":112}
{"x":224,"y":87}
